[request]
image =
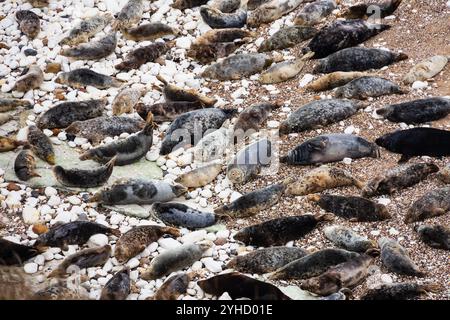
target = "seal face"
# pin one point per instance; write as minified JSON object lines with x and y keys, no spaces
{"x":248,"y":162}
{"x":343,"y":34}
{"x":331,"y":148}
{"x":279,"y":231}
{"x":180,"y":215}
{"x":76,"y":232}
{"x":318,"y":114}
{"x":313,"y":264}
{"x":29,"y":23}
{"x":97,"y":129}
{"x":416,"y":142}
{"x":25,"y":166}
{"x":136,"y":191}
{"x":366,"y":87}
{"x":396,"y":259}
{"x":83,"y":77}
{"x":399,"y":178}
{"x":31,"y":80}
{"x":435,"y":236}
{"x":86,"y":29}
{"x":138,"y":238}
{"x":12,"y":254}
{"x":352,"y":208}
{"x":174,"y":259}
{"x":358,"y":59}
{"x":84,"y":178}
{"x":417,"y":111}
{"x":118,"y":287}
{"x":432,"y":204}
{"x":400,"y":291}
{"x":240,"y":286}
{"x":266,"y":260}
{"x":41,"y":145}
{"x":64,"y":114}
{"x":320,"y":179}
{"x":287,"y":37}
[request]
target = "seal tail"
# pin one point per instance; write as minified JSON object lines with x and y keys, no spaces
{"x":149,"y":126}
{"x":111,"y":163}
{"x":172,"y":231}
{"x":160,"y":78}
{"x":324,"y":217}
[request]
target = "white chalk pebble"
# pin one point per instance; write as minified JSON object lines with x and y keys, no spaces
{"x":30,"y":268}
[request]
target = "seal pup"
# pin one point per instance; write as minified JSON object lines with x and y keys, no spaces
{"x":282,"y":71}
{"x":357,"y":59}
{"x":126,"y":151}
{"x":94,"y":50}
{"x":9,"y":144}
{"x":266,"y":260}
{"x":238,"y":66}
{"x":180,"y":215}
{"x":333,"y":80}
{"x":253,"y":202}
{"x":355,"y":209}
{"x":118,"y":287}
{"x":126,"y":99}
{"x":138,"y":238}
{"x":417,"y":111}
{"x":252,"y":118}
{"x":75,"y":232}
{"x":342,"y":34}
{"x":188,"y":4}
{"x":348,"y":274}
{"x":137,"y":191}
{"x":174,"y":93}
{"x":426,"y":69}
{"x":217,"y":19}
{"x":238,"y":285}
{"x":434,"y":236}
{"x":79,"y":178}
{"x":366,"y":10}
{"x":149,"y":31}
{"x":142,"y":55}
{"x":279,"y":231}
{"x":193,"y":124}
{"x":366,"y":87}
{"x":129,"y":15}
{"x":287,"y":37}
{"x":64,"y":114}
{"x":15,"y":254}
{"x":319,"y":114}
{"x":97,"y":129}
{"x":80,"y":78}
{"x":86,"y":28}
{"x":208,"y":52}
{"x":31,"y":80}
{"x":29,"y":23}
{"x":400,"y":291}
{"x":248,"y":161}
{"x":432,"y":204}
{"x":321,"y":179}
{"x":173,"y":287}
{"x":166,"y":111}
{"x":330,"y":148}
{"x":396,"y":259}
{"x":272,"y":11}
{"x":347,"y":239}
{"x":8,"y":104}
{"x":200,"y":176}
{"x":313,"y":264}
{"x":416,"y":142}
{"x":444,"y":174}
{"x":224,"y":35}
{"x":85,"y":258}
{"x":41,"y":145}
{"x":313,"y":13}
{"x":174,"y":259}
{"x":25,"y":166}
{"x":399,"y":178}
